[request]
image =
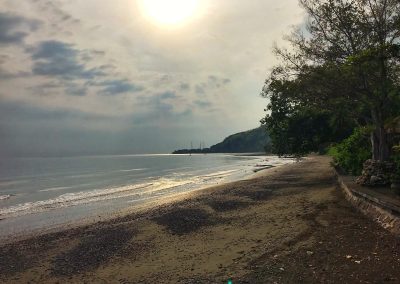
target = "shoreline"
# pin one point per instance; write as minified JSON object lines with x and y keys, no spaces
{"x":134,"y":210}
{"x":290,"y":224}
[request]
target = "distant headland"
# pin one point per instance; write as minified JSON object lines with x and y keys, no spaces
{"x":251,"y":141}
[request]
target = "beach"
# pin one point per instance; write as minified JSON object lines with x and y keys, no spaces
{"x":289,"y":224}
{"x":43,"y":194}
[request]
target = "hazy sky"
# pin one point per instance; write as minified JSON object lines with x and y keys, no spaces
{"x":102,"y":76}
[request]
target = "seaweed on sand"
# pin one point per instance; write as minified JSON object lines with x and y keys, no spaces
{"x":182,"y":221}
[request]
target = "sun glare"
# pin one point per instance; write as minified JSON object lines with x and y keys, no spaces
{"x":169,"y":12}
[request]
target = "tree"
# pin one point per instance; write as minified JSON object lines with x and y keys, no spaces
{"x":300,"y":130}
{"x":347,"y":62}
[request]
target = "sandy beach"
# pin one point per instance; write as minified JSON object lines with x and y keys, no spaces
{"x":290,"y":224}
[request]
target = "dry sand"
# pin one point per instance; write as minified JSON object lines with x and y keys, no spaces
{"x":288,"y":225}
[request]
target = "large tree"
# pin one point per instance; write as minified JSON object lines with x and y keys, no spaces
{"x":346,"y":61}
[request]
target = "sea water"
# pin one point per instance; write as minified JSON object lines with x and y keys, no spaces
{"x":42,"y":193}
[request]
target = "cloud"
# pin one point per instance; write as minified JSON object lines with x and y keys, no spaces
{"x":184,"y":86}
{"x":226,"y":81}
{"x":202,"y":104}
{"x":53,"y":50}
{"x":168,"y":95}
{"x":89,"y":55}
{"x":75,"y":90}
{"x":6,"y":75}
{"x":215,"y":81}
{"x":212,"y":78}
{"x":13,"y":29}
{"x":151,"y":82}
{"x":116,"y":87}
{"x":199,"y":90}
{"x":58,"y":59}
{"x":211,"y":83}
{"x":165,"y":106}
{"x":17,"y":113}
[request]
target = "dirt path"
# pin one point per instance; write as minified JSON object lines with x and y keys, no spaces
{"x":291,"y":225}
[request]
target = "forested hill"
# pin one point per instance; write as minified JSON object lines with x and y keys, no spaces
{"x":250,"y":141}
{"x":244,"y":142}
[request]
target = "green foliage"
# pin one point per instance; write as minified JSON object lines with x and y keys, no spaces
{"x":302,"y":132}
{"x":296,"y":130}
{"x":254,"y":140}
{"x":346,"y":65}
{"x":396,"y":160}
{"x":353,"y":151}
{"x":333,"y":152}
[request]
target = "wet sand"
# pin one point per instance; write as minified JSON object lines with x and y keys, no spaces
{"x":288,"y":225}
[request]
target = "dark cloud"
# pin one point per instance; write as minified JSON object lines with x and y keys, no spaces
{"x":213,"y":78}
{"x":161,"y":112}
{"x":116,"y":87}
{"x":164,"y":108}
{"x":50,"y":85}
{"x":217,"y":81}
{"x":199,"y":90}
{"x":62,"y":17}
{"x":213,"y":82}
{"x":6,"y":75}
{"x":53,"y":50}
{"x":4,"y":58}
{"x":184,"y":86}
{"x":107,"y":67}
{"x":56,"y":59}
{"x":13,"y":112}
{"x":67,"y":87}
{"x":74,"y":90}
{"x":33,"y":131}
{"x":160,"y":107}
{"x":29,"y":130}
{"x":59,"y":59}
{"x":13,"y":29}
{"x":202,"y":104}
{"x":89,"y":55}
{"x":168,"y":95}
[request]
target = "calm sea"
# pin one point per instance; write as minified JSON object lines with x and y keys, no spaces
{"x":40,"y":193}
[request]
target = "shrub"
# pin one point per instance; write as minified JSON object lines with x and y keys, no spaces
{"x":352,"y":152}
{"x":396,"y":160}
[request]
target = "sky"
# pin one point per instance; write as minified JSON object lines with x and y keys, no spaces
{"x":118,"y":77}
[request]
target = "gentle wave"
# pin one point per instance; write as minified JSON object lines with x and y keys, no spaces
{"x":55,"y":188}
{"x":133,"y":170}
{"x":153,"y":187}
{"x":65,"y":200}
{"x":72,"y":199}
{"x":4,"y":197}
{"x":220,"y":174}
{"x":86,"y":175}
{"x":12,"y":182}
{"x":104,"y":173}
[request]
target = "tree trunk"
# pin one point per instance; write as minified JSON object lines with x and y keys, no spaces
{"x":379,"y":140}
{"x":375,"y":145}
{"x":384,"y":153}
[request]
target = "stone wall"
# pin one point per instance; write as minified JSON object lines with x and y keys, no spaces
{"x":385,"y":217}
{"x":376,"y":173}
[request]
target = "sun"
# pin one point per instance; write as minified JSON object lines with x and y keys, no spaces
{"x":169,"y":12}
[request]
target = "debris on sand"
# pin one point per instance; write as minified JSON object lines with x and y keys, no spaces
{"x":227,"y":205}
{"x":182,"y":221}
{"x":256,"y":195}
{"x":93,"y":251}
